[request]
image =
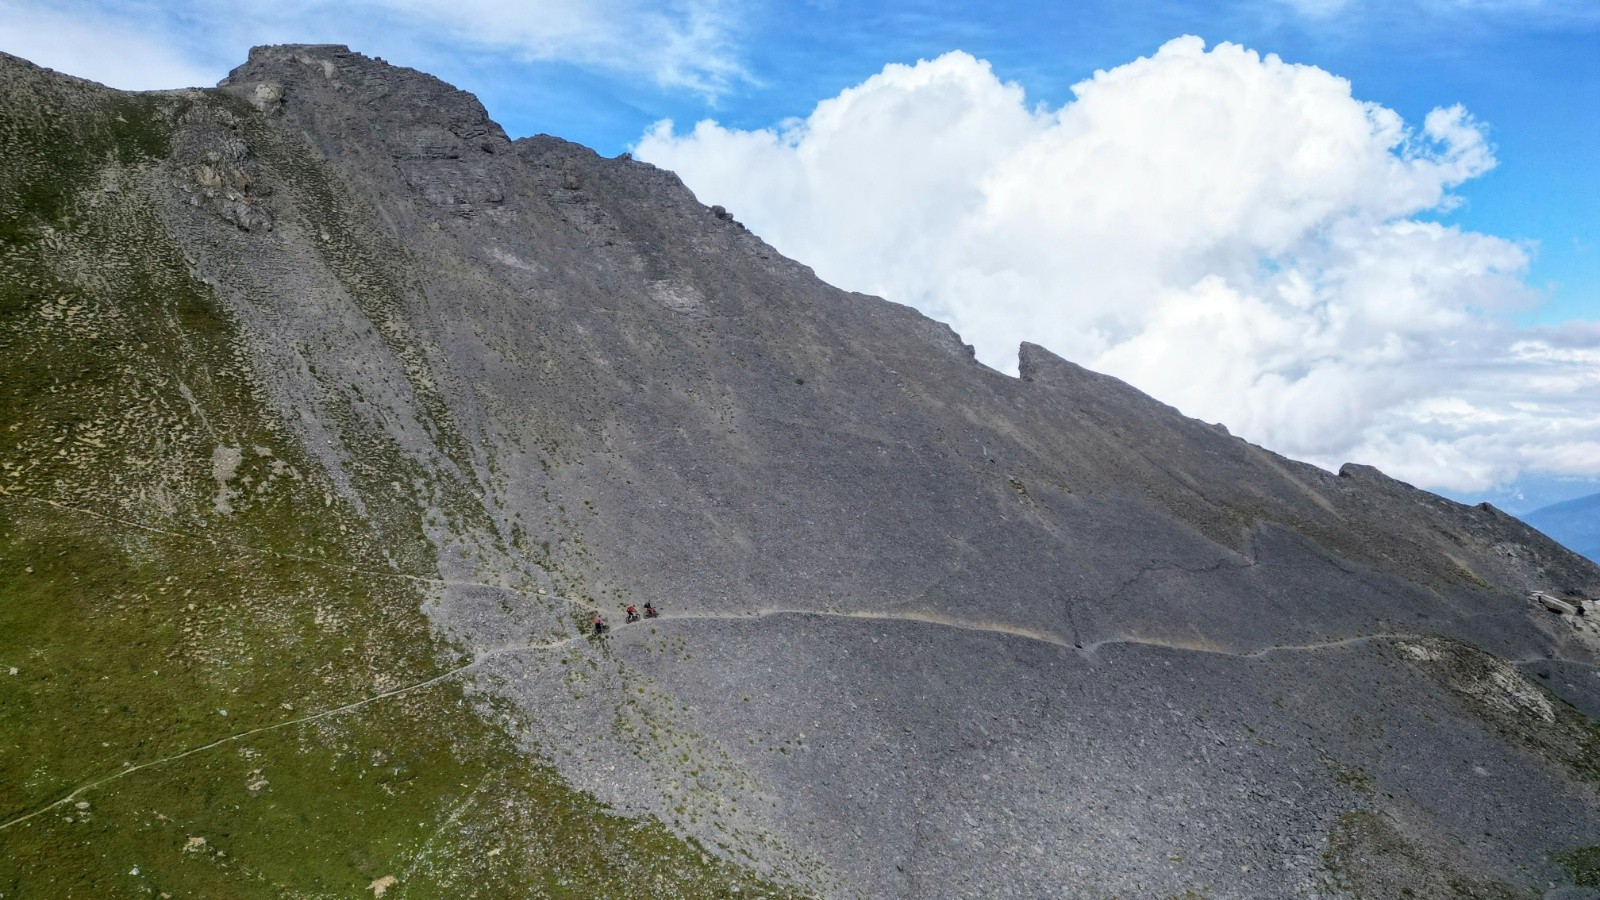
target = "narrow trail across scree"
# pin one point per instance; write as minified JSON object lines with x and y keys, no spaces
{"x":494,"y":652}
{"x":925,"y":617}
{"x":1086,"y":650}
{"x":487,"y":654}
{"x":929,"y":618}
{"x":480,"y":659}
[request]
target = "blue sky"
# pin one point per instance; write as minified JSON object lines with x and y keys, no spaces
{"x":603,"y":72}
{"x":1530,"y":71}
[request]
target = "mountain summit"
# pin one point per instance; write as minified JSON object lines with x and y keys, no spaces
{"x":333,"y":416}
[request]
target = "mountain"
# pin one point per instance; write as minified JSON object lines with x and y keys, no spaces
{"x":1575,"y":523}
{"x":331,"y":416}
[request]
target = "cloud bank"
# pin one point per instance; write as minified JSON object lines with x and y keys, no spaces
{"x":1234,"y":234}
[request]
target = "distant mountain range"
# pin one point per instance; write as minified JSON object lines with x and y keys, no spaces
{"x":1575,"y":523}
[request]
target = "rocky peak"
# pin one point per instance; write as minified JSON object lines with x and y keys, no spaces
{"x":362,"y":108}
{"x":1094,"y":390}
{"x":1035,"y":363}
{"x":412,"y":103}
{"x":1372,"y":474}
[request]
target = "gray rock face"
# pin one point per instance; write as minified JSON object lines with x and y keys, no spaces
{"x":929,"y":630}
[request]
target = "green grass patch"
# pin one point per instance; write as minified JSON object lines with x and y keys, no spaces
{"x":139,"y":624}
{"x":1582,"y":865}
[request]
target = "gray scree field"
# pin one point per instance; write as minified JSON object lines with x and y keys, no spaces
{"x":929,"y":630}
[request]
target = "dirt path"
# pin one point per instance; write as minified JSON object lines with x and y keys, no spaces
{"x":484,"y":655}
{"x":493,"y":652}
{"x":300,"y":720}
{"x":944,"y":621}
{"x":924,"y":617}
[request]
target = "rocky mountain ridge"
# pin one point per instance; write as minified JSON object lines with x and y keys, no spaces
{"x":411,"y":401}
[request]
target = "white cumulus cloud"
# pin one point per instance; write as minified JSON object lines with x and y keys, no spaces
{"x":1237,"y":235}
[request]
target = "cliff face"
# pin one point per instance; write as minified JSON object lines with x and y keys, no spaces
{"x":410,"y":401}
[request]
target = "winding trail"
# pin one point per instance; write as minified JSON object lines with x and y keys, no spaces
{"x":1086,"y":650}
{"x":487,"y":654}
{"x":491,"y":653}
{"x":919,"y":616}
{"x":300,"y":720}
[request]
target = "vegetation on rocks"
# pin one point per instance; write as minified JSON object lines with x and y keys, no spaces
{"x":1582,"y":865}
{"x":206,"y":652}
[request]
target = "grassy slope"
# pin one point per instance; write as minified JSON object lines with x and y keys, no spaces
{"x":134,"y":614}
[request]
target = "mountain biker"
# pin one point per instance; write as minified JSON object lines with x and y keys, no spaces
{"x":650,"y":611}
{"x":633,"y":613}
{"x":599,"y":624}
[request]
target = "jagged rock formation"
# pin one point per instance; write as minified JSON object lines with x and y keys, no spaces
{"x":930,"y":630}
